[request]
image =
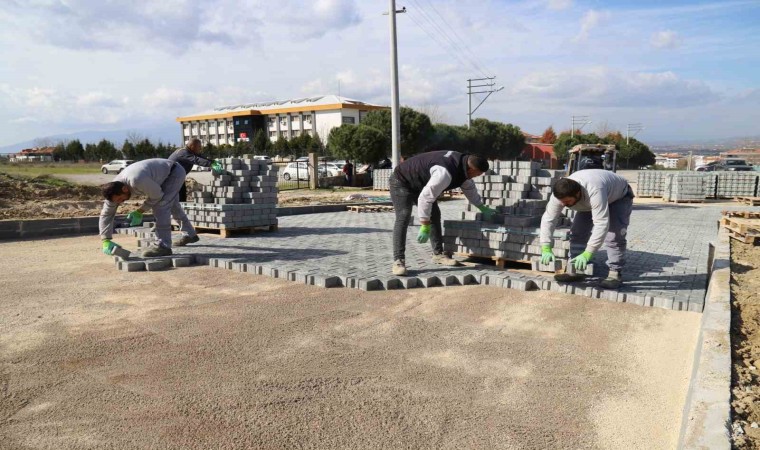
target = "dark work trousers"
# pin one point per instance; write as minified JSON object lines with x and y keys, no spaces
{"x":183,"y":193}
{"x":403,"y":199}
{"x":615,"y":241}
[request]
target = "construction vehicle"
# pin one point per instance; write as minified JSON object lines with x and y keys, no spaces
{"x":592,"y":156}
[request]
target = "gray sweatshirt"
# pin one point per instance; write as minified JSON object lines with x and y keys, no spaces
{"x":599,"y":188}
{"x":143,"y":178}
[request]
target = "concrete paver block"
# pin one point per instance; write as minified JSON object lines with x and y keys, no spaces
{"x":131,"y":266}
{"x":157,"y":264}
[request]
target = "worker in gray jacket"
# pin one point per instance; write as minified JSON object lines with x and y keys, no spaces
{"x":187,"y":157}
{"x":421,"y":180}
{"x":603,"y":201}
{"x":157,"y":179}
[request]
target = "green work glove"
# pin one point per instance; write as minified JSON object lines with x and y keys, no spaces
{"x":547,"y":255}
{"x":487,"y":212}
{"x":581,"y":261}
{"x":216,"y":168}
{"x":109,"y":247}
{"x":424,"y":234}
{"x":135,"y":218}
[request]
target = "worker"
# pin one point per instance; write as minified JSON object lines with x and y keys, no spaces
{"x":348,"y":172}
{"x":421,"y":179}
{"x":187,"y":157}
{"x":603,"y":201}
{"x":157,"y":179}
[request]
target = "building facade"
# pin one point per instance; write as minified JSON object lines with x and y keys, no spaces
{"x":278,"y":119}
{"x":40,"y":154}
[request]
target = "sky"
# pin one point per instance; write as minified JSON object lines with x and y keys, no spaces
{"x":684,"y":70}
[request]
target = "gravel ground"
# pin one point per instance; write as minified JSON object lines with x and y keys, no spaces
{"x":201,"y":358}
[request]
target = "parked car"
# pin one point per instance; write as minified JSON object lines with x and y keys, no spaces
{"x":734,"y":165}
{"x":117,"y":165}
{"x":707,"y":168}
{"x":262,"y":157}
{"x":332,"y":169}
{"x":300,"y":171}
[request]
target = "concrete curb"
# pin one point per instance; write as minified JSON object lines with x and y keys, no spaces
{"x":706,"y":421}
{"x":42,"y":228}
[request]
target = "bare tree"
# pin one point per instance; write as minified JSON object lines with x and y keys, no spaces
{"x":45,"y":142}
{"x":433,"y":112}
{"x":603,"y":129}
{"x":135,"y":137}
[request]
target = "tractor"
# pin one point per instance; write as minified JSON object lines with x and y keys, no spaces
{"x":592,"y":156}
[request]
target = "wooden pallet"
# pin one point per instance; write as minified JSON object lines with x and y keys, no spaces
{"x":498,"y":262}
{"x":744,"y":214}
{"x":229,"y":232}
{"x":686,"y":201}
{"x":741,"y":229}
{"x":751,"y":201}
{"x":370,"y":208}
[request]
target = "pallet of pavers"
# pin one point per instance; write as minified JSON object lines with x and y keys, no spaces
{"x":242,"y":200}
{"x":519,"y":192}
{"x":687,"y":187}
{"x":751,"y":201}
{"x":650,"y":184}
{"x":736,"y":184}
{"x":380,"y":179}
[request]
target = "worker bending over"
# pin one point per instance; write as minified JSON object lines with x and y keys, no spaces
{"x":157,"y":179}
{"x":603,"y":201}
{"x":422,"y":179}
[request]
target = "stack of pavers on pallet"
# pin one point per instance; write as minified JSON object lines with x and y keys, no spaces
{"x":519,"y":192}
{"x":736,"y":184}
{"x":650,"y":183}
{"x":685,"y":187}
{"x":244,"y":197}
{"x":380,"y":179}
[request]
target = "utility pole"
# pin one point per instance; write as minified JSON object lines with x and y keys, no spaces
{"x":579,"y":122}
{"x":395,"y":115}
{"x":632,"y":128}
{"x":489,"y":90}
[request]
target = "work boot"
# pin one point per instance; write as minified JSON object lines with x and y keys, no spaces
{"x":156,"y":250}
{"x":569,"y":277}
{"x":184,"y":240}
{"x":399,"y":267}
{"x":613,"y":280}
{"x":444,"y":260}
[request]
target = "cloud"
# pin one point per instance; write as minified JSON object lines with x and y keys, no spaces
{"x":559,"y":5}
{"x":590,"y":20}
{"x":605,"y":87}
{"x":665,"y":39}
{"x":316,"y":18}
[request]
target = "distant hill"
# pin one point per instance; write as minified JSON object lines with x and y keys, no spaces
{"x":167,"y":135}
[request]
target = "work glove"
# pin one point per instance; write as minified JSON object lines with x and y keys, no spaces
{"x":547,"y":255}
{"x":216,"y":168}
{"x":135,"y":218}
{"x":424,"y":234}
{"x":581,"y":261}
{"x":487,"y":212}
{"x":109,"y":246}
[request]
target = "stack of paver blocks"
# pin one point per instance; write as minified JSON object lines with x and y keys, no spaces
{"x":244,"y":196}
{"x":736,"y":184}
{"x":650,"y":183}
{"x":380,"y":179}
{"x":519,"y":192}
{"x":685,"y":187}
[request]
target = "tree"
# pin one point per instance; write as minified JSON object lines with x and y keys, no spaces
{"x":358,"y":143}
{"x":496,"y":140}
{"x":106,"y":151}
{"x":549,"y":136}
{"x":448,"y":137}
{"x":74,"y":150}
{"x":416,"y":128}
{"x":261,"y":143}
{"x":128,"y":150}
{"x":145,"y":149}
{"x":564,"y":143}
{"x":281,"y":147}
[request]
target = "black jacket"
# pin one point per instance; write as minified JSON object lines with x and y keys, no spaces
{"x":187,"y":159}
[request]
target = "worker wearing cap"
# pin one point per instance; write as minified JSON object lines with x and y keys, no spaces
{"x":159,"y":181}
{"x":421,"y":179}
{"x":187,"y":157}
{"x":603,"y":201}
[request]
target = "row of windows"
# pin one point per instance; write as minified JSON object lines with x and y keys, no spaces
{"x":284,"y":134}
{"x":293,"y":119}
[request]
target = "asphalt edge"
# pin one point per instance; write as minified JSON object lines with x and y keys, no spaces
{"x":706,"y":419}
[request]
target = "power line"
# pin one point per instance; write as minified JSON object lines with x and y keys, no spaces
{"x":449,"y":44}
{"x":434,"y":38}
{"x":456,"y":33}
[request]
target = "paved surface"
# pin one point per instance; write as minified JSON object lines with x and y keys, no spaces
{"x":201,"y":358}
{"x":667,"y":255}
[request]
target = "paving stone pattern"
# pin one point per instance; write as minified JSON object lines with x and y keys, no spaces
{"x":667,"y":256}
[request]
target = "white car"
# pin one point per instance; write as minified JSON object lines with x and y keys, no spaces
{"x":197,"y":168}
{"x":117,"y":165}
{"x":300,"y":171}
{"x":333,"y":170}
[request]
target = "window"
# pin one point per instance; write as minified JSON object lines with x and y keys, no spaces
{"x":307,"y":119}
{"x":284,"y":122}
{"x":294,"y":119}
{"x":237,"y":122}
{"x":348,"y":119}
{"x":272,"y":122}
{"x":296,"y":133}
{"x":273,"y":134}
{"x":245,"y":122}
{"x":221,"y":124}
